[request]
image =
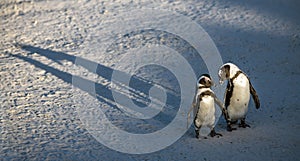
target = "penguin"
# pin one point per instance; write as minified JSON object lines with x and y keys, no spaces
{"x":204,"y":103}
{"x":237,"y":94}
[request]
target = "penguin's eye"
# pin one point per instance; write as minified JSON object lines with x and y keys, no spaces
{"x":202,"y":81}
{"x":227,"y":70}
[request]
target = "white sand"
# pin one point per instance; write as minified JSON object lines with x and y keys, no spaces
{"x":38,"y":116}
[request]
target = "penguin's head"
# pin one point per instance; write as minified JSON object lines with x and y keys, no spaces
{"x":227,"y":71}
{"x":205,"y":81}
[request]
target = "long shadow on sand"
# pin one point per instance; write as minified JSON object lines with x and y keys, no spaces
{"x":104,"y":93}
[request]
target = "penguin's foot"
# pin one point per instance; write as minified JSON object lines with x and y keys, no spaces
{"x":229,"y":128}
{"x":197,"y":134}
{"x":244,"y":125}
{"x":213,"y":133}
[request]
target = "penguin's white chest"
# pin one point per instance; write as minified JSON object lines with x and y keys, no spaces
{"x":206,"y":113}
{"x":239,"y":100}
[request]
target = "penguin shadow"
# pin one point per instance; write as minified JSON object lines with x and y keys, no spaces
{"x":138,"y":87}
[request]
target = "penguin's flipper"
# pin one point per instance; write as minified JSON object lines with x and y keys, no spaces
{"x":219,"y":103}
{"x":189,"y":115}
{"x":254,"y":96}
{"x":222,"y":107}
{"x":194,"y":104}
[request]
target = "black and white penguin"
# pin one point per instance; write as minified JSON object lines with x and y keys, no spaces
{"x":237,"y":94}
{"x":204,"y":103}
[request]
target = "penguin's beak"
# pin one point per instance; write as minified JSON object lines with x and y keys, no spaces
{"x":221,"y":81}
{"x":212,"y":83}
{"x":221,"y":76}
